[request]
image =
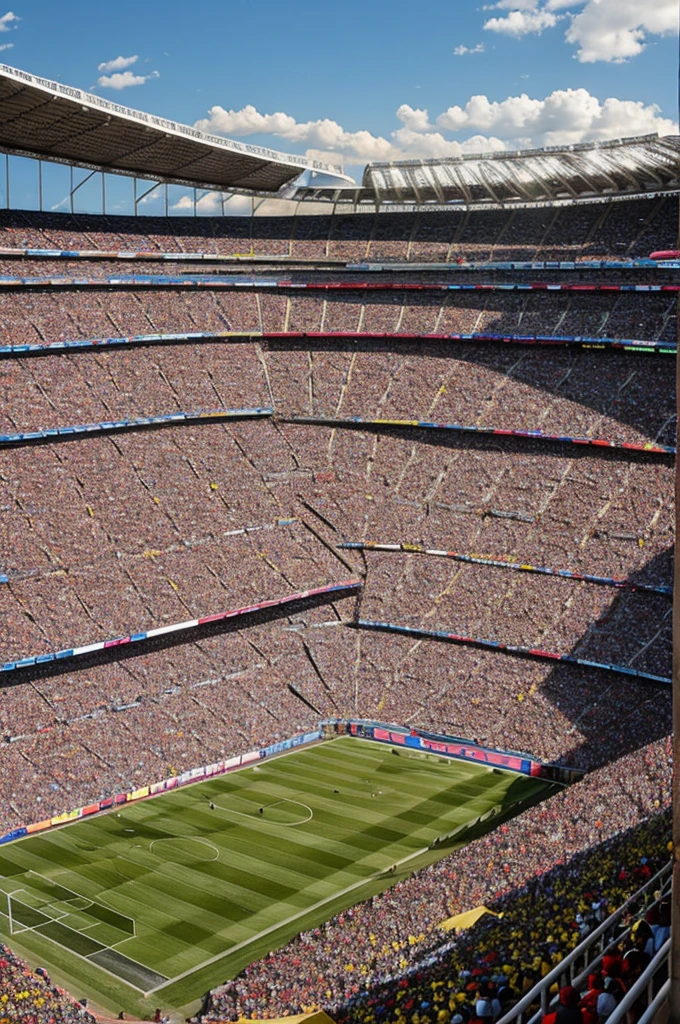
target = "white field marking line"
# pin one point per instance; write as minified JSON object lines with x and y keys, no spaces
{"x":192,"y":885}
{"x":243,"y":767}
{"x":8,"y":915}
{"x":65,"y":913}
{"x":34,"y":928}
{"x":298,"y":803}
{"x":82,"y":955}
{"x":50,"y":881}
{"x":256,"y":817}
{"x":245,"y":942}
{"x":75,"y":898}
{"x":60,"y":915}
{"x":130,"y":958}
{"x":144,"y":906}
{"x":128,"y":938}
{"x":288,"y":920}
{"x":186,"y":839}
{"x":113,"y":945}
{"x":140,"y":903}
{"x":52,"y":906}
{"x":72,"y":952}
{"x":88,"y":927}
{"x":100,"y":899}
{"x":293,"y":917}
{"x":76,"y":895}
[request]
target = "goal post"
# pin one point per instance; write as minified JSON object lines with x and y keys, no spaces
{"x":15,"y":926}
{"x":21,"y":916}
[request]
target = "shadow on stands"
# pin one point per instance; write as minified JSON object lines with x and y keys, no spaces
{"x":591,"y":388}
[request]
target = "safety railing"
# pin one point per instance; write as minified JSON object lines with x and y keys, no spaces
{"x":647,"y":989}
{"x":587,"y":956}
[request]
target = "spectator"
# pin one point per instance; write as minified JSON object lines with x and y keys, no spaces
{"x":568,"y":1010}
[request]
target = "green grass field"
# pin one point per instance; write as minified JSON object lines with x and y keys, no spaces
{"x":153,"y":904}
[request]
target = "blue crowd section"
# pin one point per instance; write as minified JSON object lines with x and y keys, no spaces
{"x":641,"y":264}
{"x":176,"y":257}
{"x":580,"y":341}
{"x":110,"y":426}
{"x":214,"y":281}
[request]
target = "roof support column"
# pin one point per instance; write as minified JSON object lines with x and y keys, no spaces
{"x":40,"y":188}
{"x":79,"y":185}
{"x":7,"y":180}
{"x":138,"y":199}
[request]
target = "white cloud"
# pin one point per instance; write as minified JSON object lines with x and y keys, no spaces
{"x":522,"y":23}
{"x":426,"y":144}
{"x":602,"y":30}
{"x":123,"y":80}
{"x":414,"y":119}
{"x":324,"y":134}
{"x":616,"y":30}
{"x":244,"y":122}
{"x":460,"y":51}
{"x":532,"y":5}
{"x":515,"y":5}
{"x":510,"y":115}
{"x":630,"y":117}
{"x":6,"y":46}
{"x":7,"y":21}
{"x":211,"y":202}
{"x":566,"y":116}
{"x":117,"y":64}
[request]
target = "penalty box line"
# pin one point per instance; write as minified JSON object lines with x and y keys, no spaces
{"x":73,"y":952}
{"x":79,"y":896}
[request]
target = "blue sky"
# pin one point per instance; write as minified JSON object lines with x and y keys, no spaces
{"x":357,"y":81}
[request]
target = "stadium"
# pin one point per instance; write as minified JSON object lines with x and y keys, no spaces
{"x":337,"y":578}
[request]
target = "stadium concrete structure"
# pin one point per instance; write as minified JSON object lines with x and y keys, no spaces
{"x":115,"y":535}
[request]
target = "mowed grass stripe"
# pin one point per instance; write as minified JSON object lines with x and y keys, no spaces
{"x":383,"y":788}
{"x":200,"y":883}
{"x":409,"y":809}
{"x":337,"y":849}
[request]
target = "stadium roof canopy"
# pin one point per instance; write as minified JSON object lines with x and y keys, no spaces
{"x":49,"y":121}
{"x":45,"y":120}
{"x":587,"y":170}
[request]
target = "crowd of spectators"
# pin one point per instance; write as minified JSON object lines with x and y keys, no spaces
{"x":607,"y":230}
{"x":30,"y":997}
{"x":108,"y":536}
{"x":46,"y":317}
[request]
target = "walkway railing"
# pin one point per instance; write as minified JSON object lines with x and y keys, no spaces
{"x":575,"y":967}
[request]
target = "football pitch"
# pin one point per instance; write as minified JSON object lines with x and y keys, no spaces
{"x":153,"y":903}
